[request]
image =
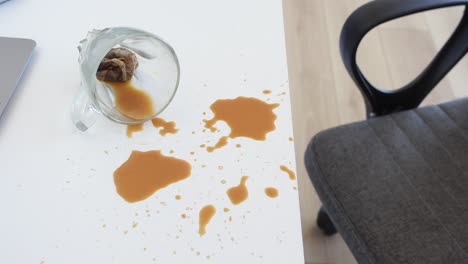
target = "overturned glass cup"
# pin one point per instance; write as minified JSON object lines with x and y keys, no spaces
{"x":128,"y":75}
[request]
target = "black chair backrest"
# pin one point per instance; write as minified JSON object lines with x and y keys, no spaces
{"x":369,"y":16}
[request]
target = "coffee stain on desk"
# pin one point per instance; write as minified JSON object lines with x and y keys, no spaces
{"x":223,"y":141}
{"x":131,"y":101}
{"x":206,"y":213}
{"x":167,"y":127}
{"x":271,"y":192}
{"x":239,"y":193}
{"x":134,"y":128}
{"x":246,"y":116}
{"x":291,"y":173}
{"x":144,"y":173}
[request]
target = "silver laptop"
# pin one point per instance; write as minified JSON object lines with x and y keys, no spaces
{"x":14,"y":56}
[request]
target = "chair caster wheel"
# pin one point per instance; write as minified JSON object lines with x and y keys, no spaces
{"x":325,"y":223}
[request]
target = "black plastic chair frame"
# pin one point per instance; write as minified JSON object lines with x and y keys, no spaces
{"x":379,"y":102}
{"x":369,"y":16}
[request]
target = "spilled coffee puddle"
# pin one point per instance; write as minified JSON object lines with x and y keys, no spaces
{"x":167,"y":127}
{"x":247,"y":117}
{"x":291,"y":173}
{"x":146,"y":172}
{"x":239,"y":193}
{"x":131,"y":101}
{"x":271,"y":192}
{"x":206,"y":213}
{"x":134,"y":128}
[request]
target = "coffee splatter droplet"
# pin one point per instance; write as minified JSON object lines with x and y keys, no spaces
{"x":134,"y":128}
{"x":167,"y":127}
{"x":291,"y":173}
{"x":221,"y":143}
{"x":239,"y":193}
{"x":271,"y":192}
{"x":206,"y":213}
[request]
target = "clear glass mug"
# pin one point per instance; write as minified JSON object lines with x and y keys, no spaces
{"x":157,"y":74}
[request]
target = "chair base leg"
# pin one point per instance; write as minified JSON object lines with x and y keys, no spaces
{"x":325,"y":223}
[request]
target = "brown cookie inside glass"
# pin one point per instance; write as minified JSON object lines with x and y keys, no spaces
{"x":118,"y":65}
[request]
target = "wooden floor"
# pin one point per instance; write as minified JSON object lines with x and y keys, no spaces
{"x":324,"y":96}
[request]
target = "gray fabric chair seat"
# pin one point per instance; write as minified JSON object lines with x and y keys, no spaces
{"x":396,"y":186}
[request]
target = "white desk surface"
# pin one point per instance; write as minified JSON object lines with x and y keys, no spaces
{"x":57,"y":194}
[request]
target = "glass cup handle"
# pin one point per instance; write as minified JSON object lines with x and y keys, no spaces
{"x":83,"y":112}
